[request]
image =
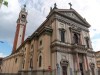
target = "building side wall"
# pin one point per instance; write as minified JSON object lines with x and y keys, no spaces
{"x":47,"y":50}
{"x":35,"y":56}
{"x":53,"y":25}
{"x":27,"y":47}
{"x":10,"y":66}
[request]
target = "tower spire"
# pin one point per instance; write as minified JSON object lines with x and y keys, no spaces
{"x":20,"y":29}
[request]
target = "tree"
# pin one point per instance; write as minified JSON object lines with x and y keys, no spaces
{"x":5,"y":2}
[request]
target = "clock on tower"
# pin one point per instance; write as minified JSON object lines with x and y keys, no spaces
{"x":23,"y":18}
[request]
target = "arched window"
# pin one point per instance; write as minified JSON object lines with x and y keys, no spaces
{"x":16,"y":60}
{"x":31,"y":66}
{"x":40,"y":61}
{"x":76,"y":38}
{"x":40,"y":42}
{"x":23,"y":63}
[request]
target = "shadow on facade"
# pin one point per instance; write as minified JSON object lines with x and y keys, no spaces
{"x":45,"y":72}
{"x":32,"y":72}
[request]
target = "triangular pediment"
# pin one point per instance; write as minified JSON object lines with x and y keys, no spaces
{"x":72,"y":14}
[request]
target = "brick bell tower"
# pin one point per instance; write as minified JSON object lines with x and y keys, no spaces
{"x":20,"y":29}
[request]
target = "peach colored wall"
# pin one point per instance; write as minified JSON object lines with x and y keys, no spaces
{"x":9,"y":65}
{"x":27,"y":46}
{"x":47,"y":51}
{"x":54,"y":30}
{"x":35,"y":54}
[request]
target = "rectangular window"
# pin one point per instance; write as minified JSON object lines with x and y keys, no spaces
{"x":62,"y":35}
{"x":87,"y":43}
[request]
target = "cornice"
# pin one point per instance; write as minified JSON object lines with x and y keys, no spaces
{"x":69,"y":48}
{"x":13,"y":55}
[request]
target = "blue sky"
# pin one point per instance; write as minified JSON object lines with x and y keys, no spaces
{"x":37,"y":12}
{"x":5,"y":48}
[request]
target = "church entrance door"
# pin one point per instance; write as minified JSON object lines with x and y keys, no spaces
{"x":92,"y":71}
{"x":64,"y":63}
{"x":64,"y":70}
{"x":81,"y":68}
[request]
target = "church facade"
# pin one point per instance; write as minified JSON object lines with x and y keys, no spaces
{"x":61,"y":45}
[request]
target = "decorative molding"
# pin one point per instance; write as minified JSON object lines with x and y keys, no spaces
{"x":64,"y":62}
{"x":92,"y":65}
{"x":86,"y":37}
{"x":68,"y":48}
{"x":75,"y":29}
{"x":71,"y":23}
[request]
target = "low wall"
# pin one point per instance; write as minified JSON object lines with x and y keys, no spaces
{"x":38,"y":72}
{"x":10,"y":74}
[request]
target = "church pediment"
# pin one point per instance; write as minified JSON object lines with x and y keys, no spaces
{"x":72,"y":14}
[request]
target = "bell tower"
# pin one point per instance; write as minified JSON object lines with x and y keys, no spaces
{"x":20,"y":29}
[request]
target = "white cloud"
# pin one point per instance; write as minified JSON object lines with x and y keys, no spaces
{"x":96,"y":44}
{"x":2,"y":55}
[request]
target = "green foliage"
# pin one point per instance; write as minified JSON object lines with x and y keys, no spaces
{"x":5,"y":3}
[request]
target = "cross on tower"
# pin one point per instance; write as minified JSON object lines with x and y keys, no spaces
{"x":70,"y":5}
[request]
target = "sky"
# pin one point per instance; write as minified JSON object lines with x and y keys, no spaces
{"x":37,"y":12}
